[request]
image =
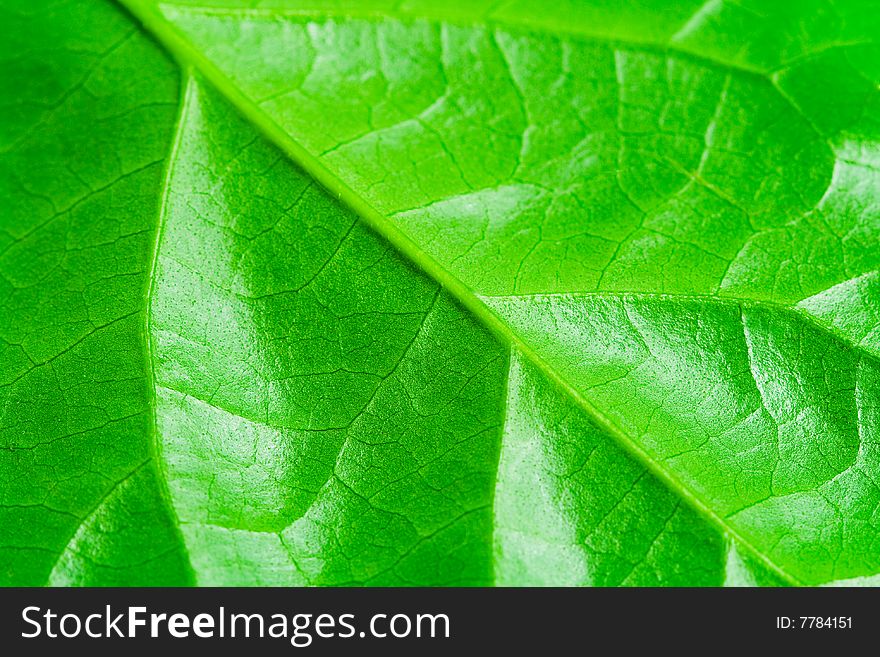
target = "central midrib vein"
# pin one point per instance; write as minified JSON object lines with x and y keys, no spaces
{"x":190,"y":58}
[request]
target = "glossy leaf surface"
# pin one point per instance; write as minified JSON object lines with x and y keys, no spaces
{"x":445,"y":293}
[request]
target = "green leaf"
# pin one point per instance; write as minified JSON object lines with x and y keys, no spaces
{"x":441,"y":293}
{"x":81,"y":149}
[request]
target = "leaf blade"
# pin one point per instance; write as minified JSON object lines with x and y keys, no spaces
{"x":506,"y":215}
{"x":77,"y":427}
{"x":765,"y":230}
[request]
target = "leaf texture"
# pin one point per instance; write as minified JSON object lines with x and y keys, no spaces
{"x":442,"y":293}
{"x":82,"y":149}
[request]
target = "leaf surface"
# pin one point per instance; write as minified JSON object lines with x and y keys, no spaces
{"x":628,"y":333}
{"x":83,"y":144}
